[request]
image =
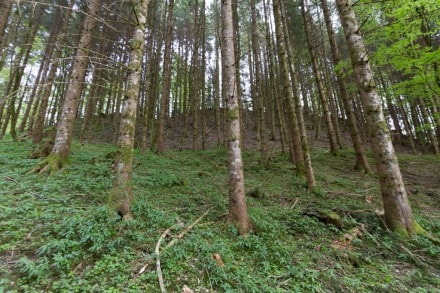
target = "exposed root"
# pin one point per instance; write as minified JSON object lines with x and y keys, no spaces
{"x":53,"y":163}
{"x":43,"y":150}
{"x":422,"y":232}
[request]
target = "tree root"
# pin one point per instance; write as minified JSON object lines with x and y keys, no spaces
{"x":50,"y":164}
{"x":422,"y":232}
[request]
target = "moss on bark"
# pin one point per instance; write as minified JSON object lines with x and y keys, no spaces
{"x":51,"y":164}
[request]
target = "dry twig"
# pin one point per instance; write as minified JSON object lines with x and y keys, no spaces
{"x":157,"y":252}
{"x":172,"y":242}
{"x":180,"y":236}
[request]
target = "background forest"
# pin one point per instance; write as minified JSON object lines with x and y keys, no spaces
{"x":219,"y":146}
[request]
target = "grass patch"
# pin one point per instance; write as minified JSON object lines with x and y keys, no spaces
{"x":57,"y":235}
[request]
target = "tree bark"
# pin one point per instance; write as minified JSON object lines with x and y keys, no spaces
{"x":398,"y":214}
{"x":361,"y":161}
{"x":237,"y":201}
{"x":289,"y":99}
{"x":319,"y":83}
{"x":5,"y":9}
{"x":63,"y":139}
{"x":166,"y":83}
{"x":260,"y":110}
{"x":121,"y":194}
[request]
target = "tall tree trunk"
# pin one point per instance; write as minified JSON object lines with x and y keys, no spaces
{"x":148,"y":75}
{"x":429,"y":129}
{"x":361,"y":161}
{"x":5,"y":9}
{"x":63,"y":139}
{"x":237,"y":200}
{"x":20,"y":63}
{"x":261,"y":114}
{"x":195,"y":79}
{"x":40,"y":79}
{"x":289,"y":99}
{"x":398,"y":214}
{"x":121,"y":194}
{"x":237,"y":46}
{"x":319,"y":83}
{"x":298,"y":106}
{"x":166,"y":80}
{"x":202,"y":74}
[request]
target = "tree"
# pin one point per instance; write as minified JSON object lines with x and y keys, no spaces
{"x":398,"y":214}
{"x":289,"y":102}
{"x":37,"y":132}
{"x":166,"y":83}
{"x":237,"y":200}
{"x":121,"y":193}
{"x":258,"y":96}
{"x":323,"y":95}
{"x":5,"y":9}
{"x":361,"y":159}
{"x":63,"y":139}
{"x":20,"y":63}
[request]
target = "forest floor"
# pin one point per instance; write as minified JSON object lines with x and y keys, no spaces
{"x":56,"y":234}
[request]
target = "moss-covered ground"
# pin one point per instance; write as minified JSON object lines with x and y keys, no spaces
{"x":56,"y":234}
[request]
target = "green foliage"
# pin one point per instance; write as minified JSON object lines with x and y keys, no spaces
{"x":57,"y":234}
{"x":401,"y":37}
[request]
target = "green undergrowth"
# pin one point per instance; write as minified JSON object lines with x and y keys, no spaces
{"x":57,"y":235}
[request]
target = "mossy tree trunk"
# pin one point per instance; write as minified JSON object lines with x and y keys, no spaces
{"x":121,"y":194}
{"x":398,"y":214}
{"x":237,"y":200}
{"x":63,"y":139}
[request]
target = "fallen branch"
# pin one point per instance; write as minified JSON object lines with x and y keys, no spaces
{"x":180,"y":236}
{"x":294,"y":203}
{"x":157,"y":252}
{"x":33,"y":193}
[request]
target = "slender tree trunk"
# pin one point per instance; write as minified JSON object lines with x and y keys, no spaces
{"x":21,"y":61}
{"x":318,"y":79}
{"x":166,"y":83}
{"x":63,"y":139}
{"x":407,"y":125}
{"x":427,"y":121}
{"x":398,"y":214}
{"x":237,"y":44}
{"x":260,"y":110}
{"x":91,"y":104}
{"x":148,"y":75}
{"x":121,"y":194}
{"x":5,"y":9}
{"x":237,"y":201}
{"x":202,"y":74}
{"x":361,"y":161}
{"x":195,"y":79}
{"x":289,"y":100}
{"x":298,"y":106}
{"x":217,"y":93}
{"x":40,"y":76}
